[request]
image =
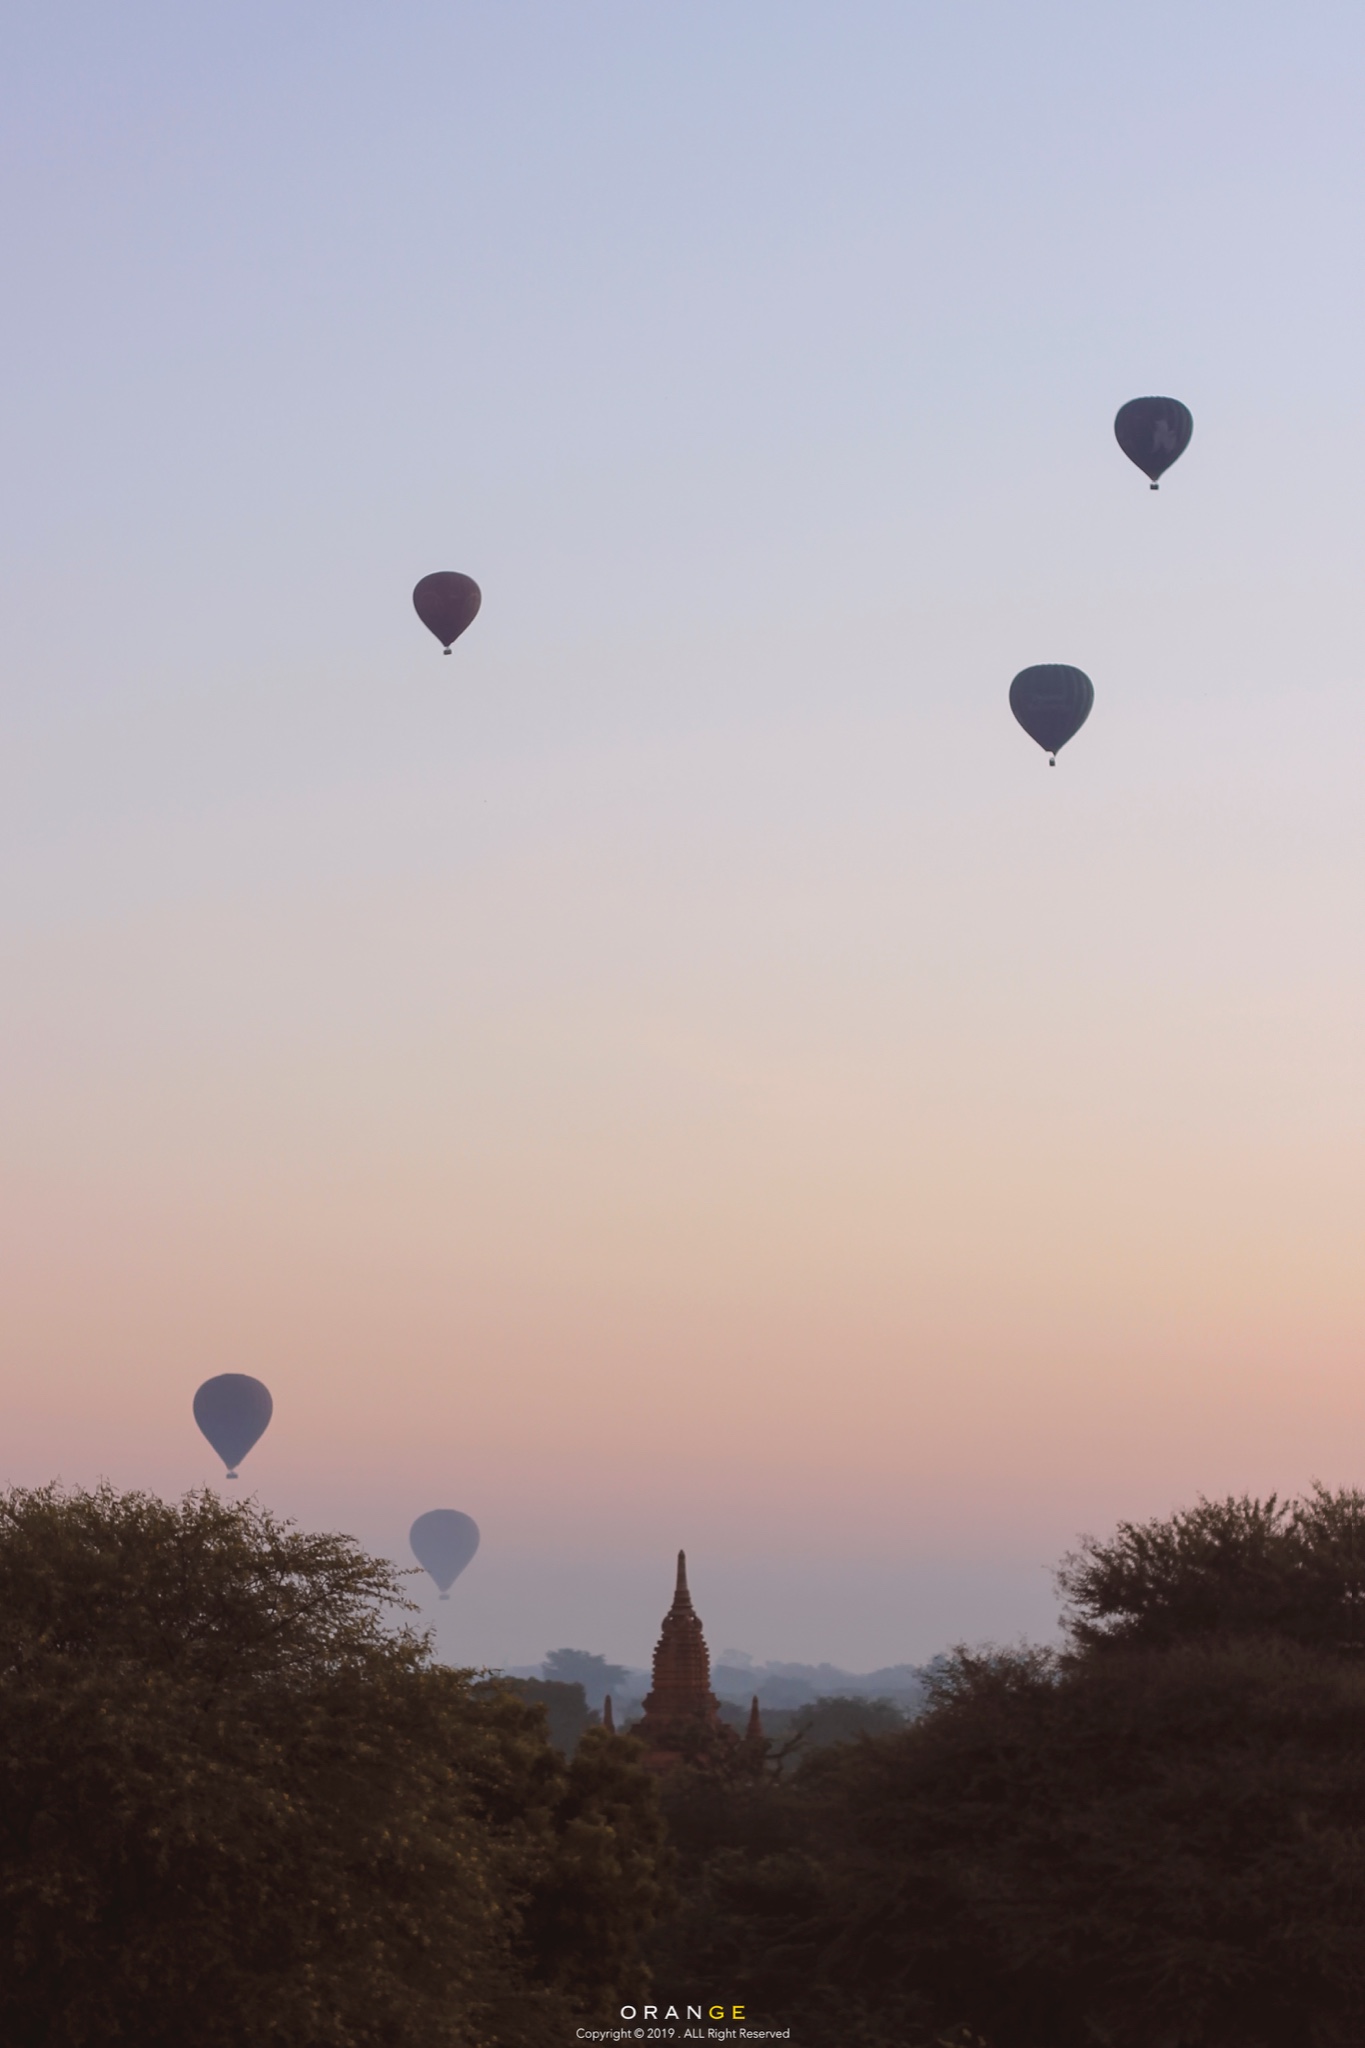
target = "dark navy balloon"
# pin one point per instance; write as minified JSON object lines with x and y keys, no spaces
{"x":232,"y":1409}
{"x":446,"y":603}
{"x":1153,"y":433}
{"x":1052,"y":703}
{"x":443,"y":1542}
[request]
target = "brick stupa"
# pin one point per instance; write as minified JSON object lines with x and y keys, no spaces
{"x":681,"y":1713}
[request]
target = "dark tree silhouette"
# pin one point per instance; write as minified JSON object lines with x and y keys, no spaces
{"x":237,"y":1803}
{"x":1155,"y":1839}
{"x":1290,"y":1569}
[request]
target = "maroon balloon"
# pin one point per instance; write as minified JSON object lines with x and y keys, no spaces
{"x":446,"y":603}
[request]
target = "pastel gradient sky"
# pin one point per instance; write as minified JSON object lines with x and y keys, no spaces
{"x":684,"y":1070}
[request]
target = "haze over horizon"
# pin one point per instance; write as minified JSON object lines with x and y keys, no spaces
{"x":684,"y":1071}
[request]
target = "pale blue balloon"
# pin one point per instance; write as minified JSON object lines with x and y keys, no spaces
{"x":443,"y":1542}
{"x":233,"y":1411}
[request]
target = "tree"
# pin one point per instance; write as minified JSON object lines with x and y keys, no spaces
{"x":567,"y":1718}
{"x":1155,"y":1839}
{"x":843,"y":1718}
{"x":582,"y":1667}
{"x":1148,"y":1847}
{"x":746,"y":1876}
{"x":609,"y":1880}
{"x":238,"y":1803}
{"x":1290,"y":1569}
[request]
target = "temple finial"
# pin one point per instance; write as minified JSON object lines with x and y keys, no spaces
{"x":608,"y":1718}
{"x":754,"y":1731}
{"x":680,"y":1709}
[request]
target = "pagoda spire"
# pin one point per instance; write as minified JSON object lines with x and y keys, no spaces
{"x":680,"y":1707}
{"x":608,"y":1717}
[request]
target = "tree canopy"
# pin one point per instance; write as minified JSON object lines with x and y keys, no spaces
{"x":842,"y":1718}
{"x":1154,"y":1838}
{"x":567,"y":1717}
{"x":1145,"y":1847}
{"x":583,"y":1667}
{"x":1294,"y":1569}
{"x":238,"y":1801}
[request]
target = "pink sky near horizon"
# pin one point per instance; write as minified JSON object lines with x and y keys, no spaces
{"x":623,"y":1230}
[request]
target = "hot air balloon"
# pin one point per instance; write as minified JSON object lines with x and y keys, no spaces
{"x":443,"y":1542}
{"x":1052,"y":703}
{"x":233,"y":1410}
{"x":1153,"y":433}
{"x":446,"y":603}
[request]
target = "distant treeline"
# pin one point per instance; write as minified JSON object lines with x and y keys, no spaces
{"x":776,"y":1686}
{"x":568,"y":1717}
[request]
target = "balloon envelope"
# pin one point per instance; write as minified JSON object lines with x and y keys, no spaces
{"x":443,"y":1542}
{"x":233,"y":1409}
{"x":446,"y":603}
{"x":1153,"y":433}
{"x":1052,"y":703}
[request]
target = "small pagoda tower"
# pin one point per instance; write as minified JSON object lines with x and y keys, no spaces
{"x":681,"y":1713}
